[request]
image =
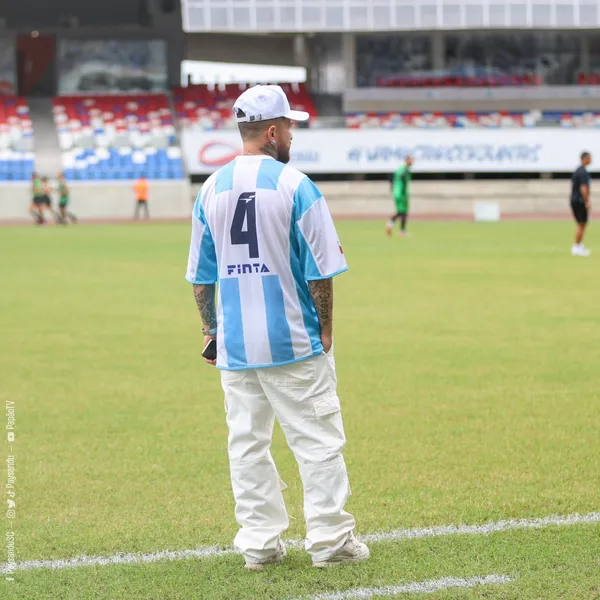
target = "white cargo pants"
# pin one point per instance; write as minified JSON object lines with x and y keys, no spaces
{"x":303,"y":398}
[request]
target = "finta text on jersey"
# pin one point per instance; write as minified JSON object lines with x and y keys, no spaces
{"x":247,"y":268}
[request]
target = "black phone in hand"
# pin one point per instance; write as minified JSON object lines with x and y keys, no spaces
{"x":210,"y":350}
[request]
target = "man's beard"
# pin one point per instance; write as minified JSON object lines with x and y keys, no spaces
{"x":283,"y":155}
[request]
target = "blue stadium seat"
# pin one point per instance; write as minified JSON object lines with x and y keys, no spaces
{"x":110,"y":120}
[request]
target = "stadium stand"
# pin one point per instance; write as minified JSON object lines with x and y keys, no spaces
{"x":442,"y":120}
{"x":576,"y":119}
{"x":460,"y":80}
{"x":205,"y":108}
{"x":533,"y":118}
{"x":117,"y":137}
{"x":474,"y":59}
{"x":16,"y":140}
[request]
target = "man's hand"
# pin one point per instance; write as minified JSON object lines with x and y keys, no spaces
{"x":327,"y":342}
{"x":207,"y":339}
{"x":205,"y":299}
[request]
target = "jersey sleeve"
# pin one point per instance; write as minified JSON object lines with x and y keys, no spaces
{"x":585,"y":180}
{"x":202,"y":261}
{"x":320,"y":252}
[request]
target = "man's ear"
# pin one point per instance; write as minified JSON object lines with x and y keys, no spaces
{"x":271,"y":133}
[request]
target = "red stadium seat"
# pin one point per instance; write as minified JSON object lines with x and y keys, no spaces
{"x":208,"y":108}
{"x":459,"y":81}
{"x":108,"y":136}
{"x":446,"y":120}
{"x":16,"y":140}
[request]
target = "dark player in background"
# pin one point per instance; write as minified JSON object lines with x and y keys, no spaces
{"x":400,"y":184}
{"x":63,"y":201}
{"x":580,"y":203}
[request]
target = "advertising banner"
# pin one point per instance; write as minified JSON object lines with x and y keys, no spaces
{"x":536,"y":150}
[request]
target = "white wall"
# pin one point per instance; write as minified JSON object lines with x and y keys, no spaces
{"x":367,"y":199}
{"x":449,"y":198}
{"x":111,"y":200}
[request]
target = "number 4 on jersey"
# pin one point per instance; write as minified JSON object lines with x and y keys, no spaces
{"x":245,"y":211}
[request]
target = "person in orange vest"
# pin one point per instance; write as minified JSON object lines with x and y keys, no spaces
{"x":140,"y":189}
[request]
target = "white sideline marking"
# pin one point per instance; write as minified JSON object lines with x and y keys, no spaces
{"x":418,"y":587}
{"x":122,"y":558}
{"x":393,"y":536}
{"x":491,"y":527}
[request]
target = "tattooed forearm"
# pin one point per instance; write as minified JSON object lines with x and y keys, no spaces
{"x":269,"y":150}
{"x":321,"y":292}
{"x":205,"y":299}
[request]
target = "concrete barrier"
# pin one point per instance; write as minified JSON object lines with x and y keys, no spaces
{"x":110,"y":200}
{"x":451,"y":198}
{"x":447,"y":198}
{"x":173,"y":200}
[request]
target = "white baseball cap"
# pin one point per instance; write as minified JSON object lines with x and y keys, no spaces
{"x":264,"y":102}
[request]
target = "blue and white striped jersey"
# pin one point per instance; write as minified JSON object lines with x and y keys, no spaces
{"x":262,"y":229}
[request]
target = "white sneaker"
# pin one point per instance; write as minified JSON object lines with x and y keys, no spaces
{"x":580,"y":250}
{"x":352,"y":551}
{"x":276,"y":559}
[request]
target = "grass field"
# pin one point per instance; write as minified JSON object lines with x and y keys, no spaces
{"x":468,"y":364}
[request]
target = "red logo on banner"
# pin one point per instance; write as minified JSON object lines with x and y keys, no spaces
{"x":217,"y":154}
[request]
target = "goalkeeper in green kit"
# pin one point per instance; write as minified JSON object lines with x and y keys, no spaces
{"x":400,"y":190}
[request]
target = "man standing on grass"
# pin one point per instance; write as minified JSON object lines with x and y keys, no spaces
{"x":63,"y":201}
{"x":263,"y":231}
{"x":140,"y":189}
{"x":400,"y":190}
{"x":580,"y":203}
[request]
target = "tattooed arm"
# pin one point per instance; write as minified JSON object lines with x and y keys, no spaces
{"x":321,"y":291}
{"x":205,"y":300}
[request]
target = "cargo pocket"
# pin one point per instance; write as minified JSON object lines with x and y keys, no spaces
{"x":326,"y":405}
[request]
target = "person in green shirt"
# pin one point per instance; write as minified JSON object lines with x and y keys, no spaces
{"x":63,"y":201}
{"x":37,"y":205}
{"x":400,"y":190}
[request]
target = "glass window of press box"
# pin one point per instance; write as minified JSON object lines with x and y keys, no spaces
{"x":112,"y":66}
{"x":490,"y":58}
{"x":385,"y":15}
